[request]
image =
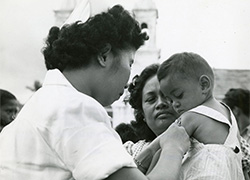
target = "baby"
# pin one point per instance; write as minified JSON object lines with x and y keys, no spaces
{"x":187,"y":81}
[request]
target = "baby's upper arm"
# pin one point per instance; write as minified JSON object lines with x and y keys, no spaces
{"x":204,"y":129}
{"x":190,"y":121}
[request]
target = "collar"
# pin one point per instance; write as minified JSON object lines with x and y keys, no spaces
{"x":55,"y":77}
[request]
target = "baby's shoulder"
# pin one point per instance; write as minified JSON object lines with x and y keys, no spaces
{"x":191,"y":121}
{"x":193,"y":117}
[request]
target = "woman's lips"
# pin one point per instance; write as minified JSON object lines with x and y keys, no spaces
{"x":161,"y":115}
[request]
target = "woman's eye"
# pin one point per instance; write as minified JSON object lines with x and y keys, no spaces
{"x":150,"y":99}
{"x":8,"y":111}
{"x":179,"y":95}
{"x":11,"y":111}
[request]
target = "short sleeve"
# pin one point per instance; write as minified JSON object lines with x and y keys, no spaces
{"x":135,"y":148}
{"x":129,"y":147}
{"x":93,"y":152}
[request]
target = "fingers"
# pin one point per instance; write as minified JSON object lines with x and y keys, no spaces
{"x":176,"y":136}
{"x":179,"y":132}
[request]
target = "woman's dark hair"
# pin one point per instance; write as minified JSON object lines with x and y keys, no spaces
{"x":5,"y":96}
{"x":73,"y":45}
{"x":238,"y":97}
{"x":135,"y":88}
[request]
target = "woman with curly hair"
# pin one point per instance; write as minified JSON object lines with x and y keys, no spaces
{"x":153,"y":115}
{"x":63,"y":132}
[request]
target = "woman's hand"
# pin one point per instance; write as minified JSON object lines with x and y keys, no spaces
{"x":175,"y":137}
{"x":174,"y":143}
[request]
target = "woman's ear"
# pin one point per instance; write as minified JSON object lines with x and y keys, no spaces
{"x":102,"y":56}
{"x":205,"y":83}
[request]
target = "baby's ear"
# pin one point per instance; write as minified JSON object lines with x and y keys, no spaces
{"x":205,"y":83}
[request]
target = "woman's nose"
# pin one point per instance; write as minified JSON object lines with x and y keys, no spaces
{"x":161,"y":103}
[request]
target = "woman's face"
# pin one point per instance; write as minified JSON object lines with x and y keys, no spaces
{"x":118,"y":74}
{"x":8,"y":112}
{"x":158,"y":114}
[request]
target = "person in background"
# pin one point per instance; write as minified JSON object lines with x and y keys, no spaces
{"x":64,"y":131}
{"x":126,"y":132}
{"x":9,"y":107}
{"x":150,"y":107}
{"x":238,"y":100}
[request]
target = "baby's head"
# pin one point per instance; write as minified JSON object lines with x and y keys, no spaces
{"x":187,"y":80}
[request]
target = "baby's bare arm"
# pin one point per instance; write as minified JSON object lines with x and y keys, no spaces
{"x":204,"y":129}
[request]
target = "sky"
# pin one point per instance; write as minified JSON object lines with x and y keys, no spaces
{"x":218,"y":30}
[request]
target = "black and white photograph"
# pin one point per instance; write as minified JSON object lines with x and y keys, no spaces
{"x":125,"y":90}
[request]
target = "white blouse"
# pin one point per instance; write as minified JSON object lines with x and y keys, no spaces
{"x":61,"y":134}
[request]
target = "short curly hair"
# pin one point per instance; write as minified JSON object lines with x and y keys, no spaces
{"x":73,"y":45}
{"x":135,"y":100}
